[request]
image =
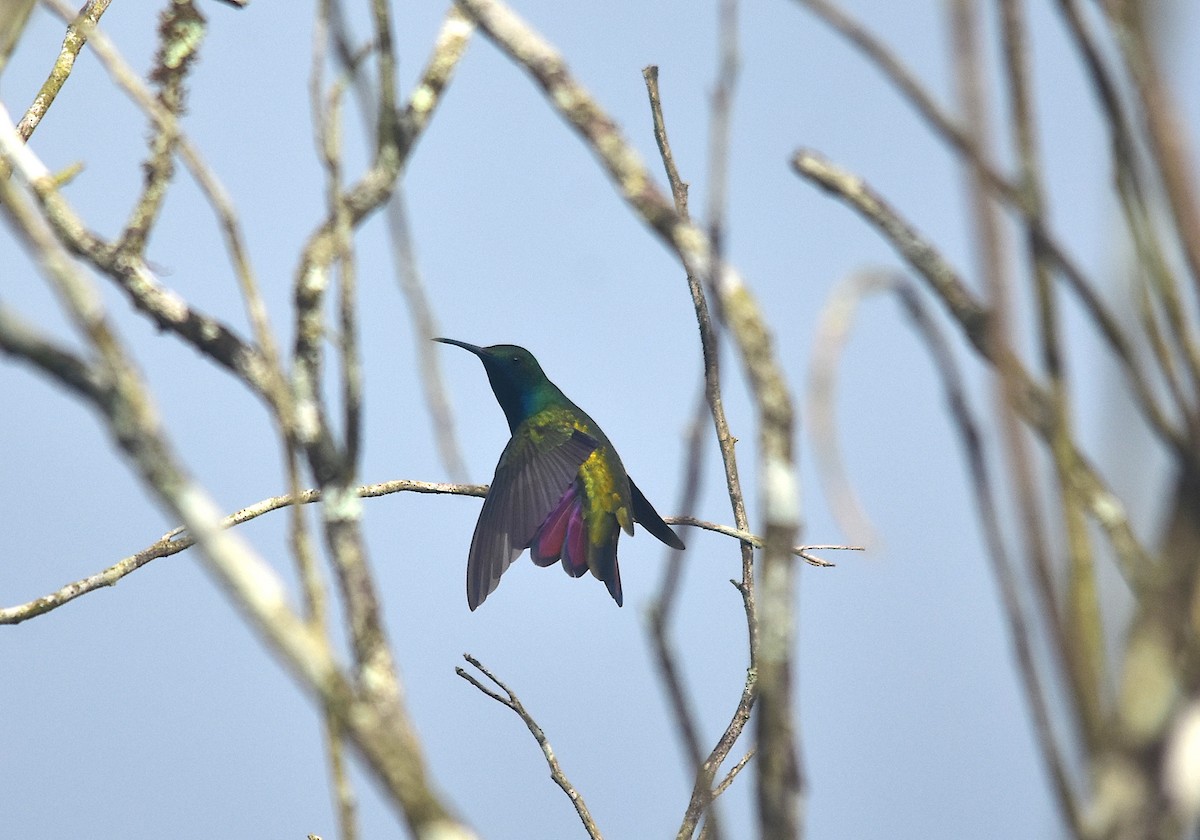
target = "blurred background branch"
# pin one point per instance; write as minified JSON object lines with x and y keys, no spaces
{"x":1058,"y":620}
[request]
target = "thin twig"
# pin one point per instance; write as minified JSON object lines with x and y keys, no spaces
{"x":339,"y":776}
{"x":667,"y":655}
{"x":333,"y":466}
{"x":710,"y":350}
{"x":511,"y":700}
{"x":740,"y":765}
{"x":1117,"y":121}
{"x":180,"y":30}
{"x":720,"y":125}
{"x":1140,"y":219}
{"x":754,"y":541}
{"x":334,"y":463}
{"x":662,"y":609}
{"x":679,"y":187}
{"x":77,"y":35}
{"x":424,"y":329}
{"x":397,"y":135}
{"x":212,"y":188}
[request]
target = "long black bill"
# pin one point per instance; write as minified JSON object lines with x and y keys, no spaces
{"x":474,"y":348}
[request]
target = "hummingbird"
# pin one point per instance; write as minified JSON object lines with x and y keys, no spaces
{"x":560,"y":489}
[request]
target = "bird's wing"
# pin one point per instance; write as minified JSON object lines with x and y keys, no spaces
{"x":535,"y":469}
{"x":645,"y":515}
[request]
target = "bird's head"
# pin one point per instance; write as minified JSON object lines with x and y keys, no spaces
{"x":516,"y":377}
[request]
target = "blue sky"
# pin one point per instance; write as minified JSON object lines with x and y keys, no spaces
{"x":151,"y":710}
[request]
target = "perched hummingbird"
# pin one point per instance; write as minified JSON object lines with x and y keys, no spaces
{"x":559,"y":490}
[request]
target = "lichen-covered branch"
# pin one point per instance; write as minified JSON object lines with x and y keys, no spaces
{"x":77,"y":34}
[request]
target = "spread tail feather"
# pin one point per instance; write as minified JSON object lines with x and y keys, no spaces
{"x":645,"y":514}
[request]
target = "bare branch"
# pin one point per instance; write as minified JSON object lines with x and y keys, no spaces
{"x":398,"y":135}
{"x":180,"y":29}
{"x":662,"y":609}
{"x":326,"y":116}
{"x":332,"y":465}
{"x":720,"y":124}
{"x":755,"y":541}
{"x":994,"y":266}
{"x":339,"y":774}
{"x":168,"y":310}
{"x":511,"y":700}
{"x":724,"y":784}
{"x":679,"y":187}
{"x":76,"y":37}
{"x":1140,"y":220}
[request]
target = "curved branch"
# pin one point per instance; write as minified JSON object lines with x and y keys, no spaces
{"x":510,"y":700}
